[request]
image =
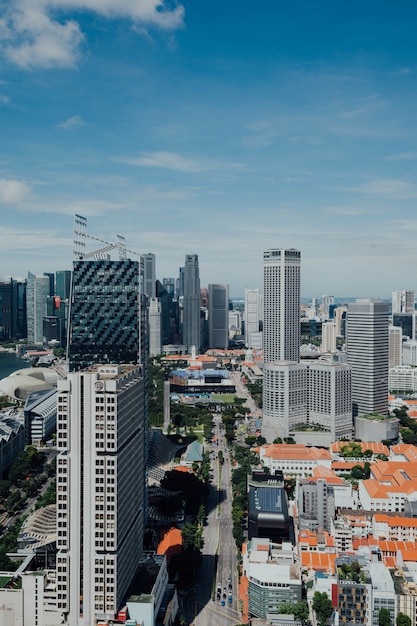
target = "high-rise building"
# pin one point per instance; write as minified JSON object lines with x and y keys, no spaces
{"x":403,"y":301}
{"x":367,"y":353}
{"x":104,"y":313}
{"x":285,"y":380}
{"x":326,"y":301}
{"x":395,"y":342}
{"x":37,"y":290}
{"x":330,"y":398}
{"x":63,"y":284}
{"x":253,"y":316}
{"x":281,"y":328}
{"x":149,"y":279}
{"x":101,"y":473}
{"x":285,"y":399}
{"x":218,"y":316}
{"x":191,"y":303}
{"x":12,"y":311}
{"x":155,"y":326}
{"x":328,"y":337}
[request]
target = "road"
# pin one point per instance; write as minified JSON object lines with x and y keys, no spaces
{"x":219,"y":564}
{"x":242,"y":392}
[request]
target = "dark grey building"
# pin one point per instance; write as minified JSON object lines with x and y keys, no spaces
{"x":267,"y":508}
{"x":104,"y":313}
{"x":191,"y":303}
{"x":218,"y":316}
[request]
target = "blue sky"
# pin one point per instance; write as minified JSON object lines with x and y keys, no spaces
{"x":220,"y":128}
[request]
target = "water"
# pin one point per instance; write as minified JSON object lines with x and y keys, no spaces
{"x":9,"y":363}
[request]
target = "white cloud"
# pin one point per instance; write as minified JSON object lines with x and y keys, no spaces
{"x":165,"y":160}
{"x":171,"y":161}
{"x":402,"y":156}
{"x":75,"y":120}
{"x":5,"y":99}
{"x":392,"y":189}
{"x":32,"y":36}
{"x":13,"y":192}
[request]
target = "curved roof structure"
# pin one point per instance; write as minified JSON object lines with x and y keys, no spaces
{"x":20,"y":386}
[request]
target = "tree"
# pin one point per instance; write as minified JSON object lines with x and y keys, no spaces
{"x":384,"y":617}
{"x":323,"y":607}
{"x":403,"y":620}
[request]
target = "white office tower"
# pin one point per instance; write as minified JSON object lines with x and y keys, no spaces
{"x":328,"y":337}
{"x":410,"y":352}
{"x":326,"y":301}
{"x":149,"y":277}
{"x":37,"y":290}
{"x":395,"y":341}
{"x":330,"y":397}
{"x":155,"y":326}
{"x":191,"y":303}
{"x":285,"y":383}
{"x":367,"y":353}
{"x":101,"y":473}
{"x":339,"y":318}
{"x":403,"y":301}
{"x":281,"y":305}
{"x":252,"y":316}
{"x":218,"y":316}
{"x":284,"y":398}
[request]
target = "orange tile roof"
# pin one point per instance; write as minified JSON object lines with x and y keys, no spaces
{"x":319,"y":561}
{"x":171,"y":542}
{"x":346,"y":465}
{"x":376,"y":446}
{"x":296,"y":451}
{"x":393,"y":521}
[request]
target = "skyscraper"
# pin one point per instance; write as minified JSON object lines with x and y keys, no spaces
{"x":281,"y":332}
{"x":285,"y":379}
{"x":101,"y":473}
{"x":37,"y":290}
{"x":367,"y":353}
{"x":218,"y":316}
{"x":252,"y":316}
{"x":155,"y":326}
{"x":191,"y":303}
{"x":104,"y":313}
{"x":403,"y":301}
{"x":330,"y":397}
{"x":149,"y":279}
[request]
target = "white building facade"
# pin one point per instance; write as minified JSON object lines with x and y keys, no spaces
{"x":284,"y":387}
{"x":330,"y":397}
{"x":101,"y":470}
{"x":367,"y":353}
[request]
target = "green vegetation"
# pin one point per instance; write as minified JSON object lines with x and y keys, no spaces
{"x":384,"y":617}
{"x":8,"y":543}
{"x":255,"y":390}
{"x":299,"y":610}
{"x":403,"y":620}
{"x":246,"y":460}
{"x":351,"y":572}
{"x":408,"y":426}
{"x":323,"y":607}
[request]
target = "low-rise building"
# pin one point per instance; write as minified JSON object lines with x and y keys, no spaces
{"x":293,"y":459}
{"x":274,"y":576}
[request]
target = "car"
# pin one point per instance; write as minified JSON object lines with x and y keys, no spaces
{"x":224,"y":596}
{"x":230,"y":598}
{"x":223,"y":602}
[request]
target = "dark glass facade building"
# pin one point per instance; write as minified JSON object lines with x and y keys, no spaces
{"x":104,"y":314}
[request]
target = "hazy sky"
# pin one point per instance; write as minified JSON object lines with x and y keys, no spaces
{"x":216,"y":127}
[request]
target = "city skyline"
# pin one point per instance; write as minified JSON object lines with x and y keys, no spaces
{"x":216,"y":129}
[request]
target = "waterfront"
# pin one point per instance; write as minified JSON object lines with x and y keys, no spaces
{"x":9,"y":363}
